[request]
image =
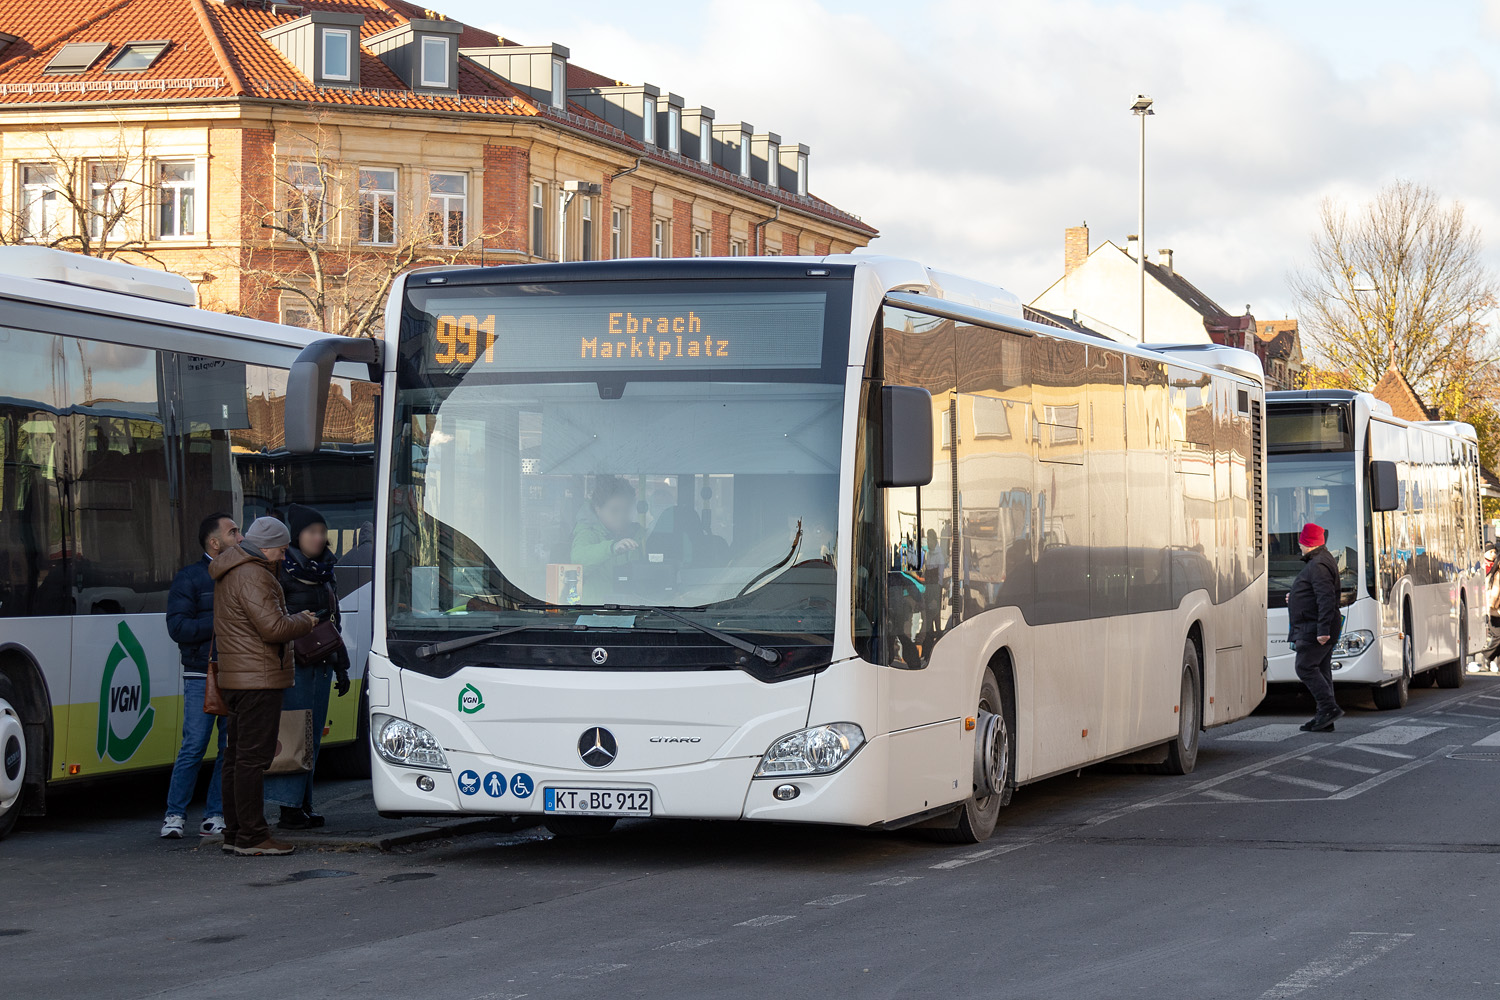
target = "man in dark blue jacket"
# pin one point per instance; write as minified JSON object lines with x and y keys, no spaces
{"x":1313,"y":611}
{"x":190,"y":623}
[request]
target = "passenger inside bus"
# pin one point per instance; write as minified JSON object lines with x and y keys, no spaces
{"x":606,"y":536}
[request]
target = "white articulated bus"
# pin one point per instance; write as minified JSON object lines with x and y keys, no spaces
{"x":1400,"y":502}
{"x":126,"y":417}
{"x":833,"y":540}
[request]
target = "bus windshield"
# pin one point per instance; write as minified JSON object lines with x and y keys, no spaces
{"x":560,"y":483}
{"x":1319,"y":489}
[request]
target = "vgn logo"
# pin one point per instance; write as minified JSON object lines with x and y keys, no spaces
{"x":470,"y":700}
{"x":125,"y":712}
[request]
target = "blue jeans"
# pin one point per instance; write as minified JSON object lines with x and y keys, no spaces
{"x":309,"y":690}
{"x":197,"y":727}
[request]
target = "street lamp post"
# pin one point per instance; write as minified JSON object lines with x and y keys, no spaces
{"x":1141,"y":109}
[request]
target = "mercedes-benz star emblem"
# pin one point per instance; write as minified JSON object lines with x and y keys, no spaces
{"x":597,"y":747}
{"x":600,"y":654}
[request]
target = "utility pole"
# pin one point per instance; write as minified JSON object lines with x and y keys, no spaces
{"x":1141,"y":109}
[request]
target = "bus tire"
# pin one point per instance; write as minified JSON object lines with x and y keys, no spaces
{"x":995,"y":743}
{"x":1182,"y":753}
{"x":573,"y":827}
{"x":12,"y":760}
{"x":1452,"y":675}
{"x":1425,"y":679}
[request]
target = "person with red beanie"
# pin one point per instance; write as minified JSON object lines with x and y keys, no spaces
{"x":1313,"y":610}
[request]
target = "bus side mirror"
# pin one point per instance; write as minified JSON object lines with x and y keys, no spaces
{"x":307,"y":386}
{"x":1385,"y":487}
{"x":905,"y":436}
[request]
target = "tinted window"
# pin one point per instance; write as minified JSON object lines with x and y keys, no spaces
{"x":33,"y":553}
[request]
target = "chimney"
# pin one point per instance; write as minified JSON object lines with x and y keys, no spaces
{"x":1166,"y":260}
{"x":1133,"y":246}
{"x":1075,"y":247}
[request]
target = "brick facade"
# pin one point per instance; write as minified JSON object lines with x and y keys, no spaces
{"x":682,"y":228}
{"x":507,"y":188}
{"x":640,"y":222}
{"x":718,"y":235}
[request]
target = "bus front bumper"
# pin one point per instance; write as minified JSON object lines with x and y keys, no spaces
{"x":1362,"y":668}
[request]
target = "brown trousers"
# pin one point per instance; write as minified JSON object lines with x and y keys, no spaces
{"x":254,"y":721}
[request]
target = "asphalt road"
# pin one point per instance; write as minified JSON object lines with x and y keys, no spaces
{"x":1359,"y":864}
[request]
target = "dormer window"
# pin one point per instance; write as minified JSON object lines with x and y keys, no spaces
{"x":674,"y":130}
{"x":649,"y":122}
{"x":706,"y":141}
{"x":802,"y":175}
{"x":773,"y":165}
{"x":336,"y":43}
{"x":136,"y":56}
{"x":75,"y":57}
{"x":559,"y":84}
{"x":435,"y":62}
{"x":744,"y":157}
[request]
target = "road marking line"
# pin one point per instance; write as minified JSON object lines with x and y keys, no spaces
{"x":1359,"y":949}
{"x":1395,"y":735}
{"x":1380,"y":779}
{"x":686,"y":944}
{"x":993,"y":852}
{"x":766,"y":920}
{"x":1489,"y":697}
{"x":1471,"y":715}
{"x":1273,"y":733}
{"x":1321,"y":786}
{"x":898,"y":880}
{"x":1492,"y":740}
{"x":593,"y":971}
{"x":1214,"y":793}
{"x":1330,"y":762}
{"x":1378,"y":750}
{"x":835,"y":899}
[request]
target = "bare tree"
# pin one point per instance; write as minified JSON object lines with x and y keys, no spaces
{"x":83,"y":194}
{"x":334,"y":238}
{"x":1399,"y":283}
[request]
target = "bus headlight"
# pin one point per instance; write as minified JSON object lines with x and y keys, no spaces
{"x":1353,"y":643}
{"x":405,"y":744}
{"x":818,"y":750}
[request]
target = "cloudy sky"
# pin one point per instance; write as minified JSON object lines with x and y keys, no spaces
{"x":971,"y":133}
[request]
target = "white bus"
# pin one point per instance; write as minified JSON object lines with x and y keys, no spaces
{"x":126,"y":417}
{"x":1400,"y":502}
{"x":832,"y":540}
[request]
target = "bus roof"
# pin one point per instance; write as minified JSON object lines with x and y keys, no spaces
{"x":1377,"y":408}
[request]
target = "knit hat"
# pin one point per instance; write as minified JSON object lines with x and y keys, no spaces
{"x":268,"y":533}
{"x":1312,"y":536}
{"x":300,"y":518}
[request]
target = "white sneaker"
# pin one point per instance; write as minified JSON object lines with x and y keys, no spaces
{"x":211,"y":826}
{"x":171,"y":827}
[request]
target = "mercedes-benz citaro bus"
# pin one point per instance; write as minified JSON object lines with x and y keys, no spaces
{"x":830,"y":540}
{"x":126,"y":417}
{"x":1400,"y":502}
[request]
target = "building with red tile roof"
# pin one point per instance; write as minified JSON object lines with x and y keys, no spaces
{"x":172,"y":130}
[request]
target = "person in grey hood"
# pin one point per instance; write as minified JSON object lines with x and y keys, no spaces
{"x":1313,"y":611}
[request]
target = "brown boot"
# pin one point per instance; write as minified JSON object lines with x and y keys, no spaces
{"x":267,"y":846}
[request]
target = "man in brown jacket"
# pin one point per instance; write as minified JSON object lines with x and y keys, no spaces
{"x":253,"y":633}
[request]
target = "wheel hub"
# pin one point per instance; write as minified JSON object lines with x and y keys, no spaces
{"x":991,"y":748}
{"x":12,"y":755}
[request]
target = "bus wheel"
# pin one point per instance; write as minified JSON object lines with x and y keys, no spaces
{"x":580,"y":826}
{"x":1452,"y":675}
{"x":994,"y":769}
{"x":1182,"y":753}
{"x":1425,"y":679}
{"x":12,"y":760}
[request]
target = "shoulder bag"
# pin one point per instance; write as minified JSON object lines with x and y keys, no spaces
{"x":213,"y":698}
{"x":324,"y":641}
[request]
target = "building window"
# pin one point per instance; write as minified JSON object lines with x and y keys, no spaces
{"x":744,"y":157}
{"x":674,"y":130}
{"x":616,"y":227}
{"x":435,"y":62}
{"x":135,"y":56}
{"x":447,"y":206}
{"x":736,"y":248}
{"x":648,"y":123}
{"x":377,"y":206}
{"x":107,"y":199}
{"x":538,"y":220}
{"x":176,"y":199}
{"x":773,"y":165}
{"x":306,"y":213}
{"x":586,"y":210}
{"x":336,"y":53}
{"x":706,"y":141}
{"x":700,"y":240}
{"x":559,"y":84}
{"x":802,"y":174}
{"x":658,"y":238}
{"x":296,"y":312}
{"x":41,"y":201}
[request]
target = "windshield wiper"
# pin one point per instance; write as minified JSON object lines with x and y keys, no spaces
{"x":790,"y":555}
{"x":759,"y":652}
{"x":464,"y":642}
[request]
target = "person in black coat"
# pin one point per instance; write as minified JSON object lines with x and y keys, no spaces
{"x":307,"y":577}
{"x":1313,"y":611}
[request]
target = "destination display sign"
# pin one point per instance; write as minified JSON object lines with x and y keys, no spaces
{"x":623,"y":332}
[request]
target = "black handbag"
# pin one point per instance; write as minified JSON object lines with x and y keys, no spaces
{"x":324,"y":642}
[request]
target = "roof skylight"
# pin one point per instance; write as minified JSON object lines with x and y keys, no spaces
{"x":75,"y":57}
{"x":134,"y":57}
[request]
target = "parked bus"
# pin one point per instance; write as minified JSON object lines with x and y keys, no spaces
{"x":1400,"y":502}
{"x":126,"y":416}
{"x":835,"y":540}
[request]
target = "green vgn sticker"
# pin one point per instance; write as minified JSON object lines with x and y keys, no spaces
{"x":125,"y":712}
{"x":470,"y":700}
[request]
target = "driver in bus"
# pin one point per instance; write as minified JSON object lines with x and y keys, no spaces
{"x":607,"y":536}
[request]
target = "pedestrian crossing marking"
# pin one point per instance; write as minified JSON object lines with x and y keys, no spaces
{"x":1492,"y":740}
{"x":1273,"y":733}
{"x":1377,"y":750}
{"x":1395,"y":735}
{"x":1288,"y":779}
{"x":1343,"y":766}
